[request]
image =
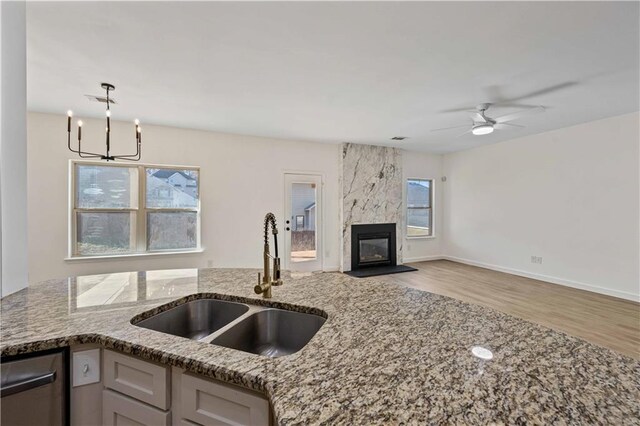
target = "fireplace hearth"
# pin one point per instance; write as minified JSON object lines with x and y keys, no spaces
{"x":373,"y":250}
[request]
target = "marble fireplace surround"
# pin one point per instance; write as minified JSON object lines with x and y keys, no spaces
{"x":371,"y":182}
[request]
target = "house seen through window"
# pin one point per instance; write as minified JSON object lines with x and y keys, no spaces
{"x":419,"y":207}
{"x":121,"y":209}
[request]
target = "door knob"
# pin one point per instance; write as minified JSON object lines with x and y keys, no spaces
{"x":287,"y":228}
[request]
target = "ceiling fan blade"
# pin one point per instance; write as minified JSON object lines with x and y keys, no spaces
{"x":502,"y":126}
{"x":494,"y":94}
{"x":449,"y":128}
{"x":477,"y":117}
{"x":544,"y":91}
{"x":467,"y":108}
{"x":516,"y":115}
{"x":514,"y":105}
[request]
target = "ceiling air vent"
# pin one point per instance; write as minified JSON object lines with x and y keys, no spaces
{"x":398,"y":138}
{"x":103,"y":99}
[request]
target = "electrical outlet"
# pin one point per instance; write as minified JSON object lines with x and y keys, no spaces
{"x":536,"y":259}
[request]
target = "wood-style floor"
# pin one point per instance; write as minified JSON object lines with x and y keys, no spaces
{"x":606,"y":321}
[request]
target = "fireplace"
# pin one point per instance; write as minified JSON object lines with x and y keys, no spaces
{"x":373,"y":245}
{"x":374,"y":251}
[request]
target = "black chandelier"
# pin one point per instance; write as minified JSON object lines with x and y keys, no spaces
{"x":85,"y":154}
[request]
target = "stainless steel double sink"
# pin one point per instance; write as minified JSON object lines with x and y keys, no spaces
{"x":256,"y":329}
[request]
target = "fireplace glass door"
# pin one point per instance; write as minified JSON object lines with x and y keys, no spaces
{"x":374,"y":250}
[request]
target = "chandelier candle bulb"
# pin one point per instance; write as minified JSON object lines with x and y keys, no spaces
{"x":79,"y":130}
{"x":69,"y":115}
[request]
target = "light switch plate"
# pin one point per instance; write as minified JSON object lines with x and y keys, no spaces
{"x":86,"y":367}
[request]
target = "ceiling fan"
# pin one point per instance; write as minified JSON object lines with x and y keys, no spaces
{"x":481,"y":124}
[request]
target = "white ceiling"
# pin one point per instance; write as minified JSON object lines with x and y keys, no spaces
{"x":332,"y":72}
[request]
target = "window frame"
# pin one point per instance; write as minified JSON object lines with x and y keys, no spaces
{"x":140,"y":244}
{"x":431,"y":209}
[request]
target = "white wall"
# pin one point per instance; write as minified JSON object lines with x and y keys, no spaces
{"x":570,"y":196}
{"x":424,"y":166}
{"x":241,"y":180}
{"x":13,"y":151}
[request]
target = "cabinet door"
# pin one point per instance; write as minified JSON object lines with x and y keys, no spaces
{"x":139,"y":379}
{"x":210,"y":403}
{"x":119,"y":410}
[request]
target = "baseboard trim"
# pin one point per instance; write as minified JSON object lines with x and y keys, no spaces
{"x":540,"y":277}
{"x":553,"y":280}
{"x":421,"y":259}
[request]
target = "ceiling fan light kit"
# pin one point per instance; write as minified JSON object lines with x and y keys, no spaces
{"x":107,"y":156}
{"x":482,"y":129}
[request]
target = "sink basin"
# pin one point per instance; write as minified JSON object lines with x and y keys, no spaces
{"x":196,"y":319}
{"x":271,"y":332}
{"x":255,"y":329}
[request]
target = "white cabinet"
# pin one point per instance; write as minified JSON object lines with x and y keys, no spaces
{"x":213,"y":403}
{"x":139,"y":379}
{"x":139,"y":392}
{"x":119,"y":410}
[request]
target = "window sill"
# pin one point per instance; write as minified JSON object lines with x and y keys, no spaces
{"x":429,"y":237}
{"x":131,"y":255}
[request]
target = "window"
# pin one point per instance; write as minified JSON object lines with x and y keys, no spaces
{"x":121,"y":209}
{"x":419,"y":207}
{"x":299,"y":223}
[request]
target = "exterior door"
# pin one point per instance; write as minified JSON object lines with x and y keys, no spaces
{"x":303,"y":222}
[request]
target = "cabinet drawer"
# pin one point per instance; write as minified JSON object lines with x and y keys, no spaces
{"x":119,"y":410}
{"x":139,"y":379}
{"x":210,"y":403}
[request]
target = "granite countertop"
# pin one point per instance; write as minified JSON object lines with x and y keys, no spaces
{"x":387,"y":354}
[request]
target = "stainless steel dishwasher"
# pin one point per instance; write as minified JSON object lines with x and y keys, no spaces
{"x":34,"y":389}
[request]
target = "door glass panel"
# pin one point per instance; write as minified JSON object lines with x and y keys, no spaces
{"x":303,"y":222}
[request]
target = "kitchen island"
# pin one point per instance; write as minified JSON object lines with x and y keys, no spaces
{"x":386,"y":354}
